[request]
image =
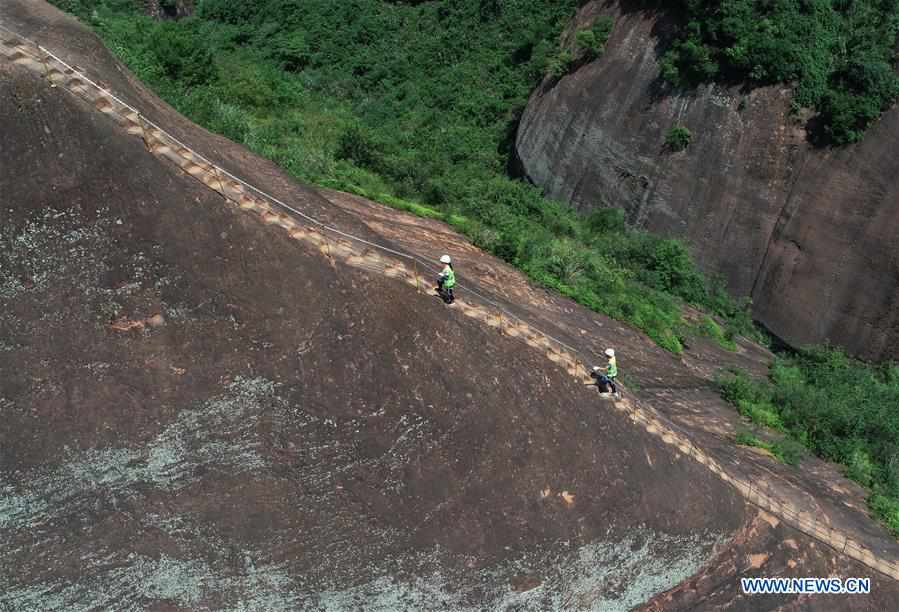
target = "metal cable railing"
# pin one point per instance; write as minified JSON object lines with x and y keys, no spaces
{"x":283,"y":205}
{"x":757,"y":491}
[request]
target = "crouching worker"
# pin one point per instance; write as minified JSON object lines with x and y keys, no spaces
{"x":605,"y":377}
{"x":446,"y":280}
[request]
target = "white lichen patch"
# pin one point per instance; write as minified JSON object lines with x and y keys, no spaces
{"x":39,"y":510}
{"x":262,"y":589}
{"x":54,"y":520}
{"x":220,"y":434}
{"x":129,"y":583}
{"x":600,"y":576}
{"x":62,"y":253}
{"x":125,"y":587}
{"x":50,"y":246}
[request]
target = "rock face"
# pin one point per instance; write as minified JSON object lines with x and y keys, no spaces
{"x":172,"y":9}
{"x":810,"y":234}
{"x":200,"y":413}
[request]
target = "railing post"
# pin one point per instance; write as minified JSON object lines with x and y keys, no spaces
{"x":143,"y":132}
{"x":221,"y":183}
{"x":327,"y":246}
{"x":763,"y":490}
{"x":46,"y":66}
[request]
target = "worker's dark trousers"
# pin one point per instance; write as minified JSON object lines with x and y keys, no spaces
{"x":445,"y":293}
{"x":605,"y":380}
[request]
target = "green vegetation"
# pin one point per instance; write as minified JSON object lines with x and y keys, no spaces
{"x":841,"y":409}
{"x":710,"y":328}
{"x":589,"y":43}
{"x":560,"y":65}
{"x":785,"y":450}
{"x":678,"y":138}
{"x":414,"y":105}
{"x":838,"y":53}
{"x":592,"y":41}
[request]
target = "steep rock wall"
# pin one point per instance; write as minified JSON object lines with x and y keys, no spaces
{"x":173,"y":9}
{"x":810,"y":234}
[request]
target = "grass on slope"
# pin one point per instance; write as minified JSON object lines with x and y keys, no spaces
{"x":413,"y":104}
{"x":785,"y":450}
{"x":841,"y":409}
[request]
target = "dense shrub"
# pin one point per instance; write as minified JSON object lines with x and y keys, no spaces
{"x":358,"y":146}
{"x":602,"y":220}
{"x":86,"y":9}
{"x":672,"y":270}
{"x":678,"y":138}
{"x":589,"y":43}
{"x":710,"y":328}
{"x":786,"y":450}
{"x":560,"y":64}
{"x":182,"y":53}
{"x":601,"y":29}
{"x":838,"y":53}
{"x":233,"y":12}
{"x":414,"y":104}
{"x":842,"y":409}
{"x":585,"y":40}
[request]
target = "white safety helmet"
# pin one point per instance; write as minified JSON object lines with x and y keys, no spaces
{"x":610,"y":352}
{"x":596,"y":368}
{"x":446,"y":259}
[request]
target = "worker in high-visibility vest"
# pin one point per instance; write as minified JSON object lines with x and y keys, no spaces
{"x":446,"y":280}
{"x":605,"y":377}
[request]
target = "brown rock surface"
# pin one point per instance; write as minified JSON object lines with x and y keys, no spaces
{"x":301,"y":435}
{"x":679,"y":389}
{"x":811,"y":235}
{"x":201,"y":413}
{"x":171,"y":10}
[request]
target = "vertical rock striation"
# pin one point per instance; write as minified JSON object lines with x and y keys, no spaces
{"x":810,"y":234}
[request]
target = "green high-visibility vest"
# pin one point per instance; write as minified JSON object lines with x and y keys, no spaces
{"x":612,"y":372}
{"x":449,"y":277}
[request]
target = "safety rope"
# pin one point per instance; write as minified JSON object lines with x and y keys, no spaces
{"x":670,"y":432}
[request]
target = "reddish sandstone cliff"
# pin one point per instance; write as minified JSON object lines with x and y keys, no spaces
{"x":810,"y":234}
